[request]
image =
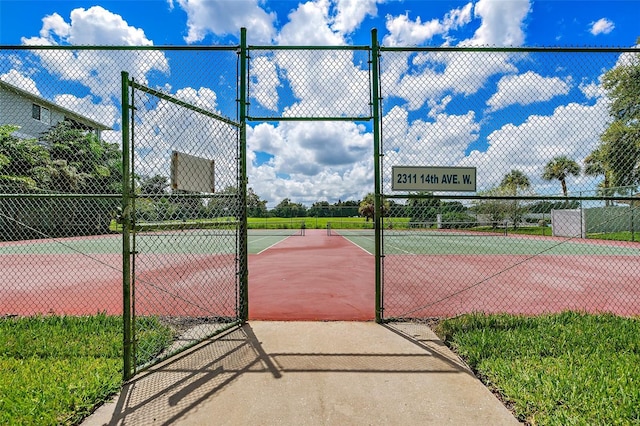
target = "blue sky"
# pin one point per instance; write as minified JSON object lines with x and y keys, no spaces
{"x":178,"y":22}
{"x":332,"y":160}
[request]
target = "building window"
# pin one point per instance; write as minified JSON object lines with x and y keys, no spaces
{"x":40,"y":113}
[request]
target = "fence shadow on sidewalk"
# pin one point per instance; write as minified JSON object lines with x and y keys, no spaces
{"x":177,"y":388}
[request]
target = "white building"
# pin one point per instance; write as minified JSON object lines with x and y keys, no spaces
{"x":35,"y":115}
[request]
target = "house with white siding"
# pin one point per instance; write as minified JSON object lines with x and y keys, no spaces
{"x":35,"y":115}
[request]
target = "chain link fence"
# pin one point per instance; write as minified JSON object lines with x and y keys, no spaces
{"x":544,"y":231}
{"x":64,"y":175}
{"x":66,"y":199}
{"x":60,"y":186}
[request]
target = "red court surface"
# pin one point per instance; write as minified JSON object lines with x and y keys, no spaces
{"x":69,"y":284}
{"x":73,"y":284}
{"x":448,"y":285}
{"x":321,"y":278}
{"x":312,"y":278}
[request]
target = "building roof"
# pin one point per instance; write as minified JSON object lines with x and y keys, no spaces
{"x":44,"y":102}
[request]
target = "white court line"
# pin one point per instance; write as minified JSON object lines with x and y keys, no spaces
{"x":373,"y":239}
{"x":401,"y":249}
{"x":270,"y":236}
{"x":358,"y":245}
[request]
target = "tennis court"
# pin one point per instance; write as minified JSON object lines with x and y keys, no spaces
{"x":455,"y":242}
{"x":83,"y":275}
{"x":435,"y":273}
{"x":323,"y":276}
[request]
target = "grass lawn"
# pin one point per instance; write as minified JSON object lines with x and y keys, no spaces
{"x":57,"y":369}
{"x":560,"y":369}
{"x":617,"y":236}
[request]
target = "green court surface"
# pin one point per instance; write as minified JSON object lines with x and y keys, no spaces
{"x":408,"y":243}
{"x":190,"y":242}
{"x":464,"y":244}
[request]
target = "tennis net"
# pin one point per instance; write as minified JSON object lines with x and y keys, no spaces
{"x":405,"y":228}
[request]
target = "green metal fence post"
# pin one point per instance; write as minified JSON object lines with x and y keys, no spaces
{"x":375,"y":90}
{"x":242,"y":180}
{"x":126,"y":242}
{"x":633,"y":229}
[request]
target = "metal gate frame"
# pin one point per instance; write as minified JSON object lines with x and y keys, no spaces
{"x":128,"y":220}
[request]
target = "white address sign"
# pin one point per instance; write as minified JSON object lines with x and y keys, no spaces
{"x":407,"y":178}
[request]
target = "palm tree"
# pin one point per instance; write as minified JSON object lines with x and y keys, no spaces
{"x":595,"y":164}
{"x":560,"y":168}
{"x":514,"y":181}
{"x":367,"y":207}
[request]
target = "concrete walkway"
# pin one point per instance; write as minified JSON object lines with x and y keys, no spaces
{"x":309,"y":373}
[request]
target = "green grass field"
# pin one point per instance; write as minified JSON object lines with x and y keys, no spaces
{"x":562,"y":369}
{"x":56,"y":370}
{"x":616,"y":236}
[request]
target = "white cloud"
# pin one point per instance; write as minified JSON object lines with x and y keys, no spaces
{"x":573,"y":130}
{"x":629,"y":58}
{"x":601,"y":26}
{"x":442,"y":140}
{"x":204,"y":98}
{"x":224,"y":17}
{"x":315,"y":83}
{"x":54,"y":24}
{"x":322,"y":83}
{"x":592,"y":90}
{"x":265,"y":82}
{"x":430,"y":75}
{"x":310,"y":25}
{"x":422,"y":77}
{"x":102,"y":113}
{"x":315,"y":22}
{"x":326,"y":83}
{"x":14,"y":78}
{"x":306,"y":148}
{"x":162,"y":127}
{"x":311,"y":161}
{"x":351,"y":13}
{"x":404,"y":32}
{"x":502,"y":23}
{"x":525,"y":89}
{"x":93,"y":26}
{"x":96,"y":69}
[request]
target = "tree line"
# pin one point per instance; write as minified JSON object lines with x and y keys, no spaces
{"x":67,"y":159}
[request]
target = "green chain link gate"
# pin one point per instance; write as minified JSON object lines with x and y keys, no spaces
{"x":184,"y":255}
